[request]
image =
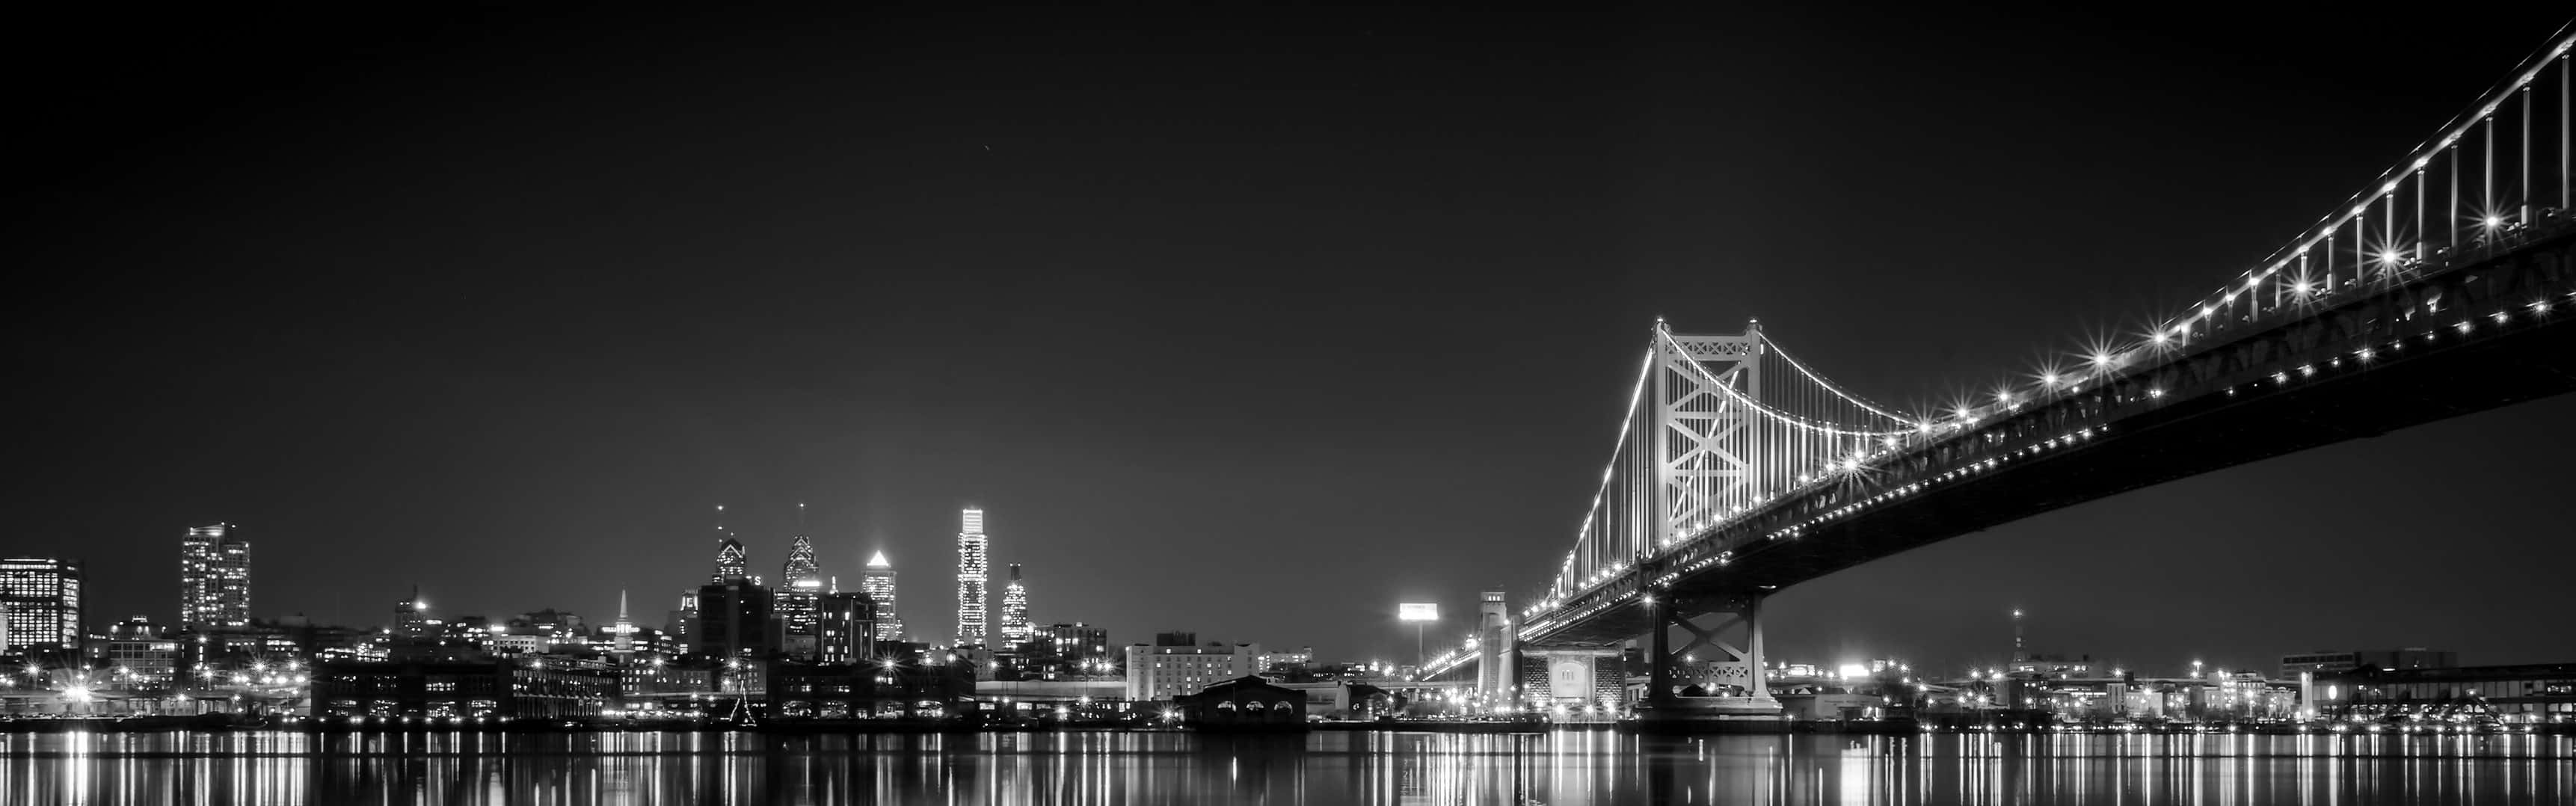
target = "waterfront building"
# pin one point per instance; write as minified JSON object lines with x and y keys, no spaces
{"x":503,"y":688}
{"x":971,"y":546}
{"x":2332,"y":662}
{"x":908,"y":687}
{"x":732,"y":561}
{"x":214,"y":579}
{"x":1015,"y":612}
{"x":845,"y":630}
{"x":1176,"y":638}
{"x":800,"y":596}
{"x":2541,"y":692}
{"x":878,"y":583}
{"x":735,"y":618}
{"x":40,"y":604}
{"x":1244,"y":702}
{"x":1165,"y":672}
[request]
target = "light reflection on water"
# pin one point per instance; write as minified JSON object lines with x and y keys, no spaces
{"x":1320,"y":768}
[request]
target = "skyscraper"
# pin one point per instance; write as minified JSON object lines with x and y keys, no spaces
{"x":844,"y":632}
{"x":214,"y":579}
{"x":878,"y":584}
{"x":1015,"y":611}
{"x":40,"y":599}
{"x":801,"y":589}
{"x":732,"y":562}
{"x":970,"y":579}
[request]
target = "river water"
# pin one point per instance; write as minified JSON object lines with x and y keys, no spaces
{"x":1320,"y":768}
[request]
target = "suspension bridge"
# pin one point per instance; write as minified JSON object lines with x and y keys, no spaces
{"x":2441,"y":289}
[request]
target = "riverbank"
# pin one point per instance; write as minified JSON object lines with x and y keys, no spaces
{"x":224,"y":723}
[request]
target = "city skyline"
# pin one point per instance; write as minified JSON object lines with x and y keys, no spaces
{"x":826,"y":345}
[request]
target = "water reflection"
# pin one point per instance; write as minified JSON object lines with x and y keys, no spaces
{"x":1323,"y":768}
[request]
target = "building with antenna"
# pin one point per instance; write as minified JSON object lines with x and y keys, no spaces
{"x":214,"y":579}
{"x":800,"y":593}
{"x":971,"y":566}
{"x":878,"y":583}
{"x":1015,"y":611}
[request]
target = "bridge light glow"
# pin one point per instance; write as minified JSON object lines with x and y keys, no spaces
{"x":2493,"y":222}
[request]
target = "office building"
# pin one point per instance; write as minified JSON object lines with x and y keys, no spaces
{"x":40,"y":602}
{"x":735,"y":618}
{"x":1075,"y":645}
{"x":970,"y":579}
{"x":411,"y":619}
{"x":1015,"y":612}
{"x":141,"y":655}
{"x":2331,"y":662}
{"x":845,"y":628}
{"x":878,"y":583}
{"x":1165,"y":672}
{"x":214,"y":579}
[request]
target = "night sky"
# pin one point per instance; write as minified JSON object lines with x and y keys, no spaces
{"x":1253,"y":325}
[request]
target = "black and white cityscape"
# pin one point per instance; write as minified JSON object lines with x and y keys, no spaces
{"x":499,"y":404}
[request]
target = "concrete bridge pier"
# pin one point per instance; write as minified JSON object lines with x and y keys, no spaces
{"x":1742,"y":668}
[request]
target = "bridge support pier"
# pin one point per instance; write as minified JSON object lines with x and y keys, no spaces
{"x":1742,"y":667}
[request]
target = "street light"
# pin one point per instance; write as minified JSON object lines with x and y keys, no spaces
{"x":1421,"y":614}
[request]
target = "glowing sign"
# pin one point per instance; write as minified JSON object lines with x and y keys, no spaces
{"x":1417,"y":611}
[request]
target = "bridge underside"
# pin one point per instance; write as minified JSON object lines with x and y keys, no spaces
{"x":2448,"y":376}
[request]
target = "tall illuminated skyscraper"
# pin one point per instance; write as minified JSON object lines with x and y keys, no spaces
{"x":878,"y":584}
{"x":732,"y":562}
{"x":970,"y":579}
{"x":801,"y":591}
{"x":41,"y":599}
{"x":214,"y":579}
{"x":1015,"y":611}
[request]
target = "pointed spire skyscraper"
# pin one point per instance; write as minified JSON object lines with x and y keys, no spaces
{"x":878,"y":583}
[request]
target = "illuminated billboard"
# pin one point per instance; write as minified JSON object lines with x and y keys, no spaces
{"x":1417,"y":611}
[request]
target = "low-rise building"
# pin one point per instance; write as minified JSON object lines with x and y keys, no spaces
{"x":1169,"y":672}
{"x":1244,"y":702}
{"x":2532,"y":692}
{"x":511,"y":687}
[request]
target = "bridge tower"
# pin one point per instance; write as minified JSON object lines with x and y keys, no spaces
{"x":1709,"y":461}
{"x":1497,"y":653}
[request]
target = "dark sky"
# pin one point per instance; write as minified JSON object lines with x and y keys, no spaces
{"x":1253,"y":324}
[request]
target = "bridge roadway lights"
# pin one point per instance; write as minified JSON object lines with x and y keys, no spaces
{"x":1664,"y":710}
